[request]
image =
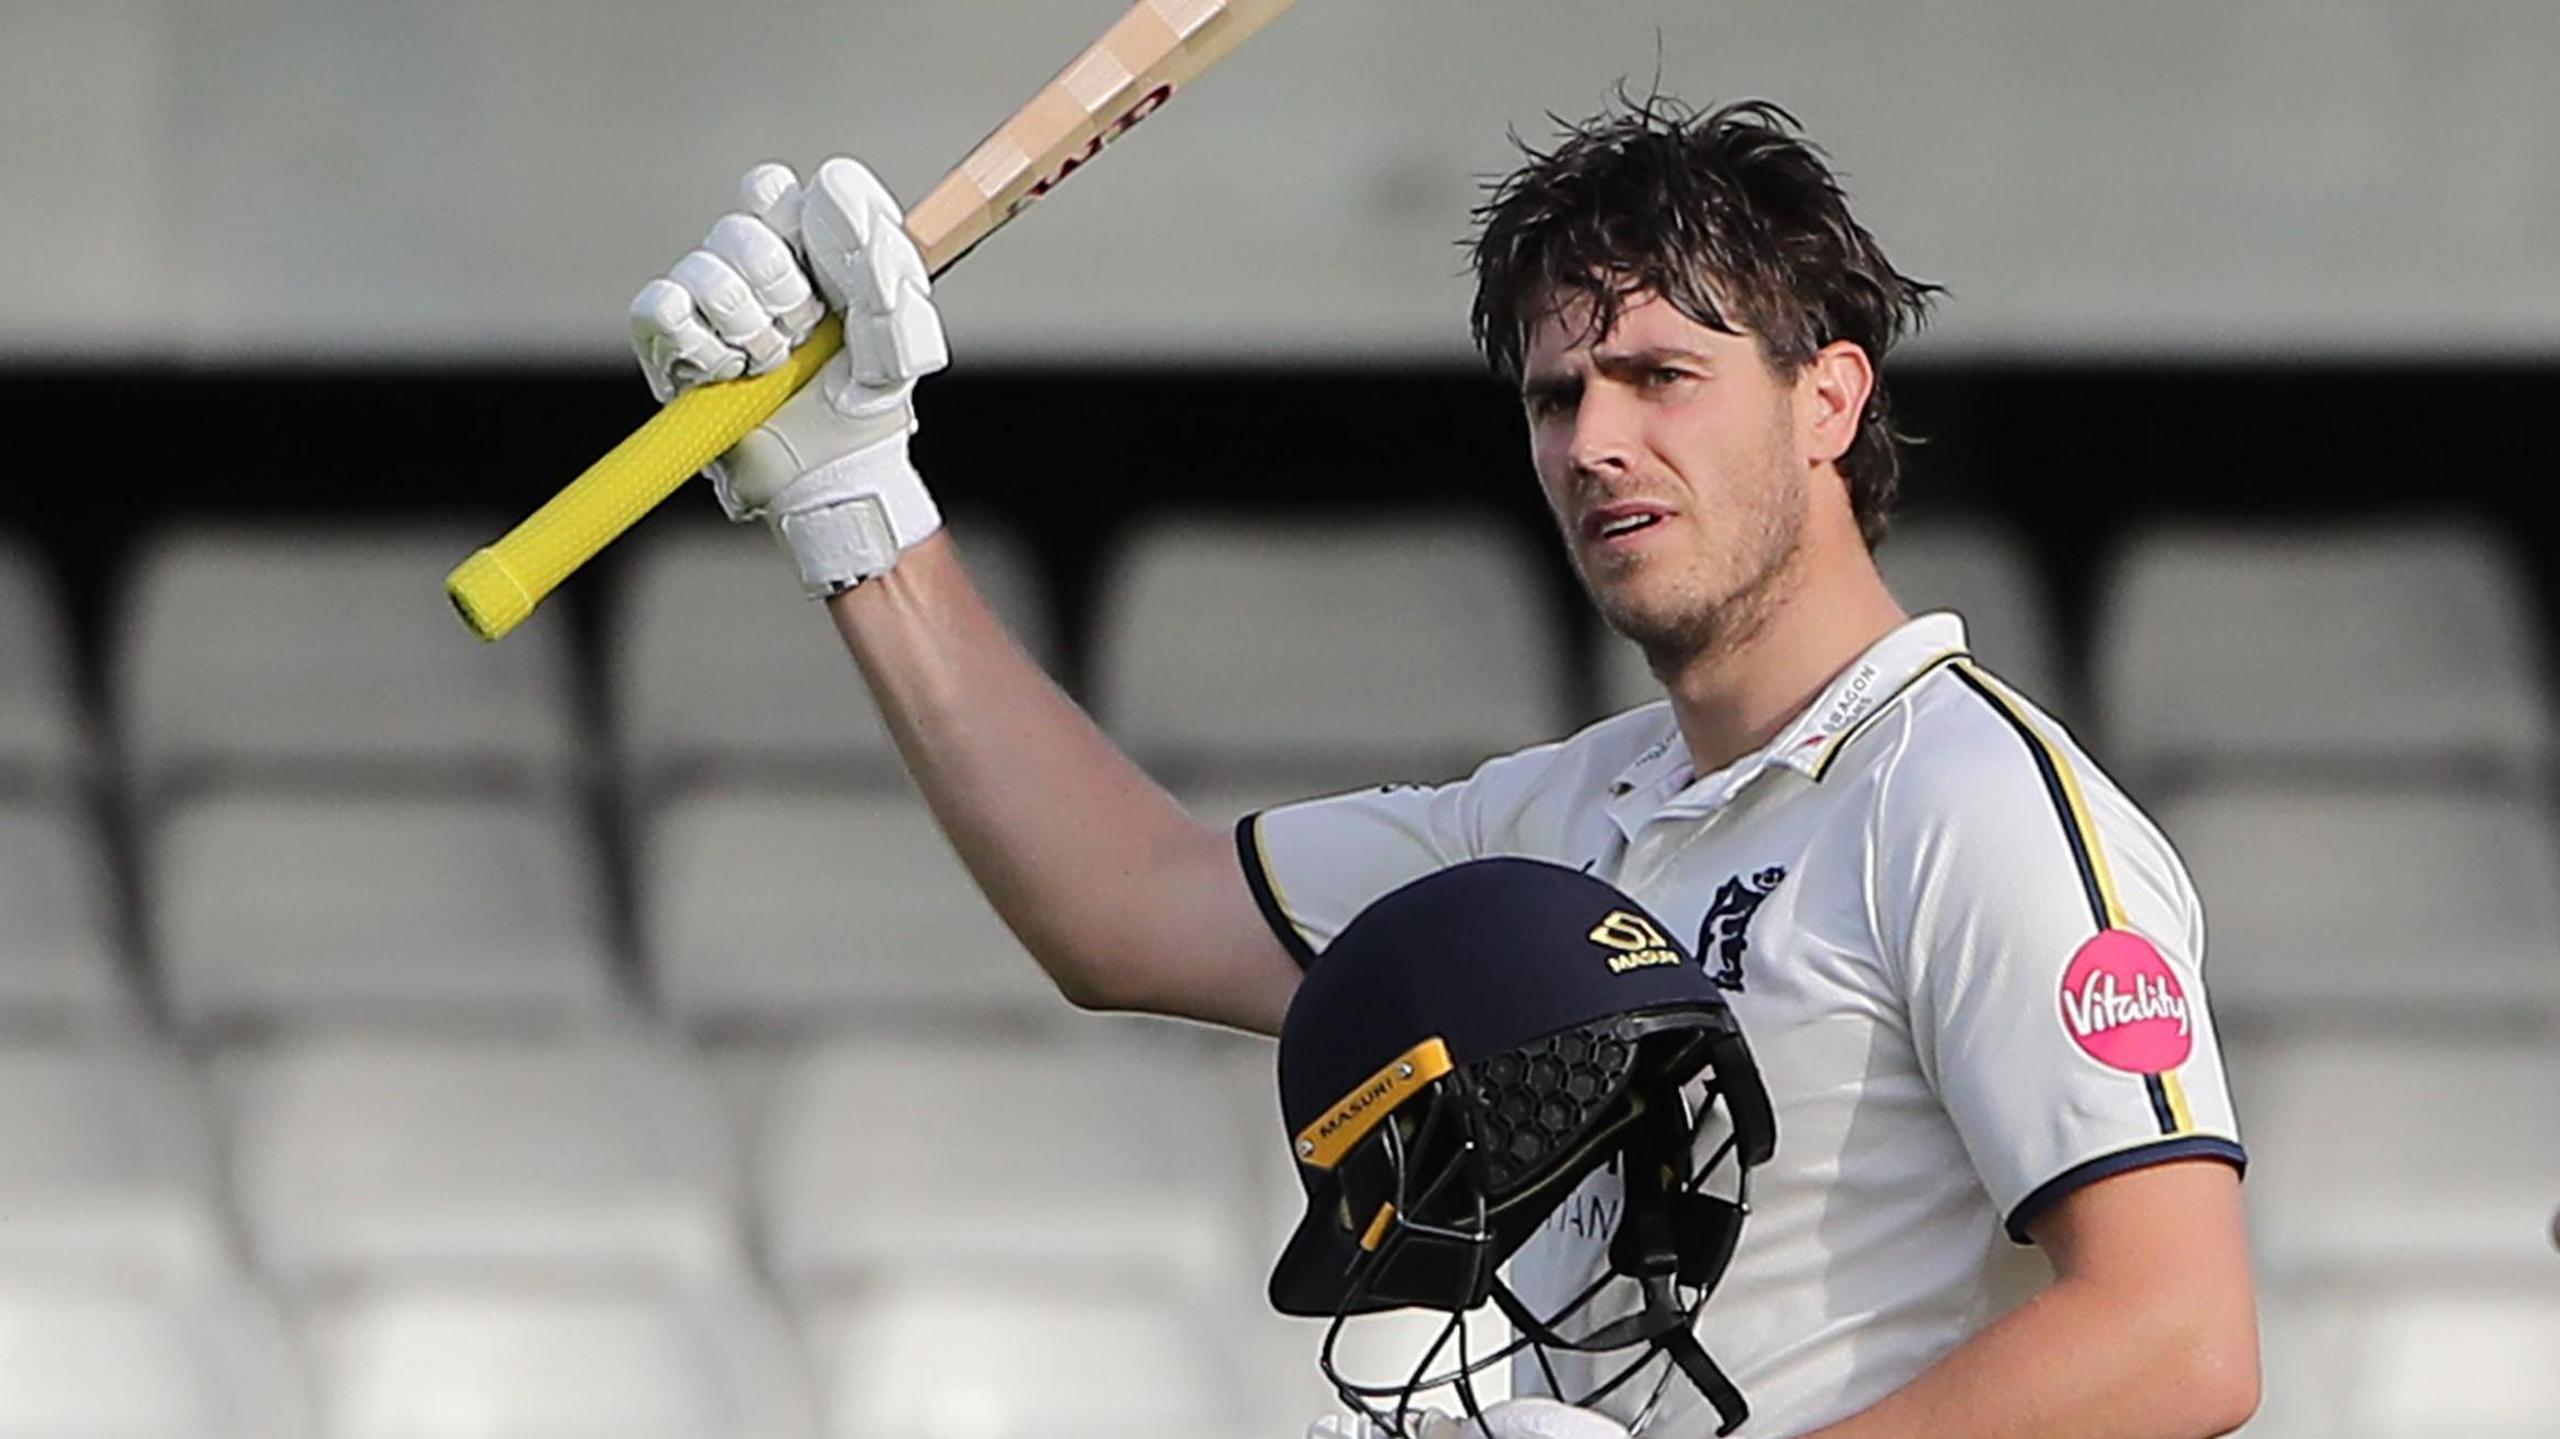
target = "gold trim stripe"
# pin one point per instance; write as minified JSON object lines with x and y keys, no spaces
{"x":2088,"y":823}
{"x":1271,"y":882}
{"x":2176,"y":1089}
{"x":2075,"y":800}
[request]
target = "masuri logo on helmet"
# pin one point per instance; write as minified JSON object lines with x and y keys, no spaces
{"x":1637,"y":942}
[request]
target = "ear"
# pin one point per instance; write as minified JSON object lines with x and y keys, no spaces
{"x":1831,"y":393}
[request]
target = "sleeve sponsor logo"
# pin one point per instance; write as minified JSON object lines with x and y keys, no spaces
{"x":2124,"y":1006}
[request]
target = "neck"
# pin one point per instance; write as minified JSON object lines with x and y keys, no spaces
{"x":1735,"y":697}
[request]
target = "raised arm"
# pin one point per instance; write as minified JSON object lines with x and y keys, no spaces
{"x":1124,"y":898}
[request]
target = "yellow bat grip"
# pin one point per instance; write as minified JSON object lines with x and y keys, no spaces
{"x":496,"y":589}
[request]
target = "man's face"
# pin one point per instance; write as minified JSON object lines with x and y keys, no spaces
{"x":1669,"y":453}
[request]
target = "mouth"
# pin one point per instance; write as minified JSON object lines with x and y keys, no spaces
{"x":1613,"y":525}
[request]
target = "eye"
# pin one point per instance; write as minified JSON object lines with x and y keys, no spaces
{"x":1661,"y":376}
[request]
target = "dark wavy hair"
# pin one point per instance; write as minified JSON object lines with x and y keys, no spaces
{"x":1733,"y":217}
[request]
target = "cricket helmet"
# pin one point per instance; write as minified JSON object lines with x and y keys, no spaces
{"x":1467,"y":1051}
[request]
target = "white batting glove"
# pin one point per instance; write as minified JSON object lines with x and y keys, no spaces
{"x":829,"y":471}
{"x":1510,"y":1419}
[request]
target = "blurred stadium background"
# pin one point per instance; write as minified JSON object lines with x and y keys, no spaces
{"x":589,"y":1035}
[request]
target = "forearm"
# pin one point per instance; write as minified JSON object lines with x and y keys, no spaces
{"x":1124,"y":898}
{"x":2081,"y":1360}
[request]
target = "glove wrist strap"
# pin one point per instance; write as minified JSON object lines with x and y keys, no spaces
{"x":850,"y":519}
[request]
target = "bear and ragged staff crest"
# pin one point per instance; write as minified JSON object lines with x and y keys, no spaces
{"x":1725,"y":934}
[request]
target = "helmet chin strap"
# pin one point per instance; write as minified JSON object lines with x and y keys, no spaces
{"x":1668,"y":1232}
{"x":1662,"y":1323}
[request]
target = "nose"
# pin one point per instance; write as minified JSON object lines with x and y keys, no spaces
{"x":1605,"y":426}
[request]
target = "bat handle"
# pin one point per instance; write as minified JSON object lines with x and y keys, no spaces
{"x":496,"y":589}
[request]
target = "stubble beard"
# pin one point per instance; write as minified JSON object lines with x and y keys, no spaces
{"x":1714,"y":615}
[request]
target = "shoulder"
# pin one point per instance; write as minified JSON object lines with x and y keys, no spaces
{"x":1974,"y":782}
{"x":1528,"y":801}
{"x":1542,"y":799}
{"x":1962,"y":732}
{"x":1585,"y":762}
{"x":1966,"y":755}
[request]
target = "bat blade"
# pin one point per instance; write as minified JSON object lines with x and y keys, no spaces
{"x":1137,"y":66}
{"x":1129,"y":74}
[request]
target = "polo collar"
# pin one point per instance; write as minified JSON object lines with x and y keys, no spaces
{"x":1862,"y":690}
{"x":1854,"y":696}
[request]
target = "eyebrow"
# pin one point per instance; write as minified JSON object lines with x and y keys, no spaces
{"x":1563,"y":385}
{"x":1609,"y":361}
{"x":1560,"y":386}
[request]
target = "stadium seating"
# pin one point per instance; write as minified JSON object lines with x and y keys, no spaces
{"x":463,"y":1359}
{"x":109,"y":1361}
{"x":41,"y":734}
{"x":2499,"y":1343}
{"x":362,"y":1156}
{"x":1326,"y":654}
{"x":107,"y":1170}
{"x":923,"y":1359}
{"x":292,"y":656}
{"x":2399,"y":652}
{"x":269,"y":911}
{"x":59,"y":965}
{"x":804,"y":909}
{"x":883,"y":1153}
{"x":725,"y":669}
{"x":2401,"y":1157}
{"x":1983,"y":572}
{"x":2399,"y":906}
{"x":2423,"y":1361}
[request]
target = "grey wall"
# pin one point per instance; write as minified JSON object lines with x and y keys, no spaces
{"x":491,"y":178}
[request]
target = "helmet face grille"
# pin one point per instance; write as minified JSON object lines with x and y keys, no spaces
{"x":1535,"y":1103}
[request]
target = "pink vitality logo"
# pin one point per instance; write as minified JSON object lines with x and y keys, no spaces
{"x":2123,"y":1005}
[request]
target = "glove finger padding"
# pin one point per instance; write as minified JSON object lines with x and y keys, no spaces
{"x":771,"y":192}
{"x":677,"y":349}
{"x":766,"y":264}
{"x":730,"y":304}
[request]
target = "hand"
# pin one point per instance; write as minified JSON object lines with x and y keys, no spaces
{"x":1510,"y":1419}
{"x":829,"y":471}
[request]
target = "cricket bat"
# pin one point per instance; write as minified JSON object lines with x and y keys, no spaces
{"x":1137,"y":66}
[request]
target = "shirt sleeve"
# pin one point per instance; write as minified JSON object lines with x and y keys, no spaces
{"x":1315,"y":864}
{"x":2050,"y":946}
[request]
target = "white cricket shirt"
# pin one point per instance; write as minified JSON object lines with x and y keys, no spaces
{"x":1967,"y":965}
